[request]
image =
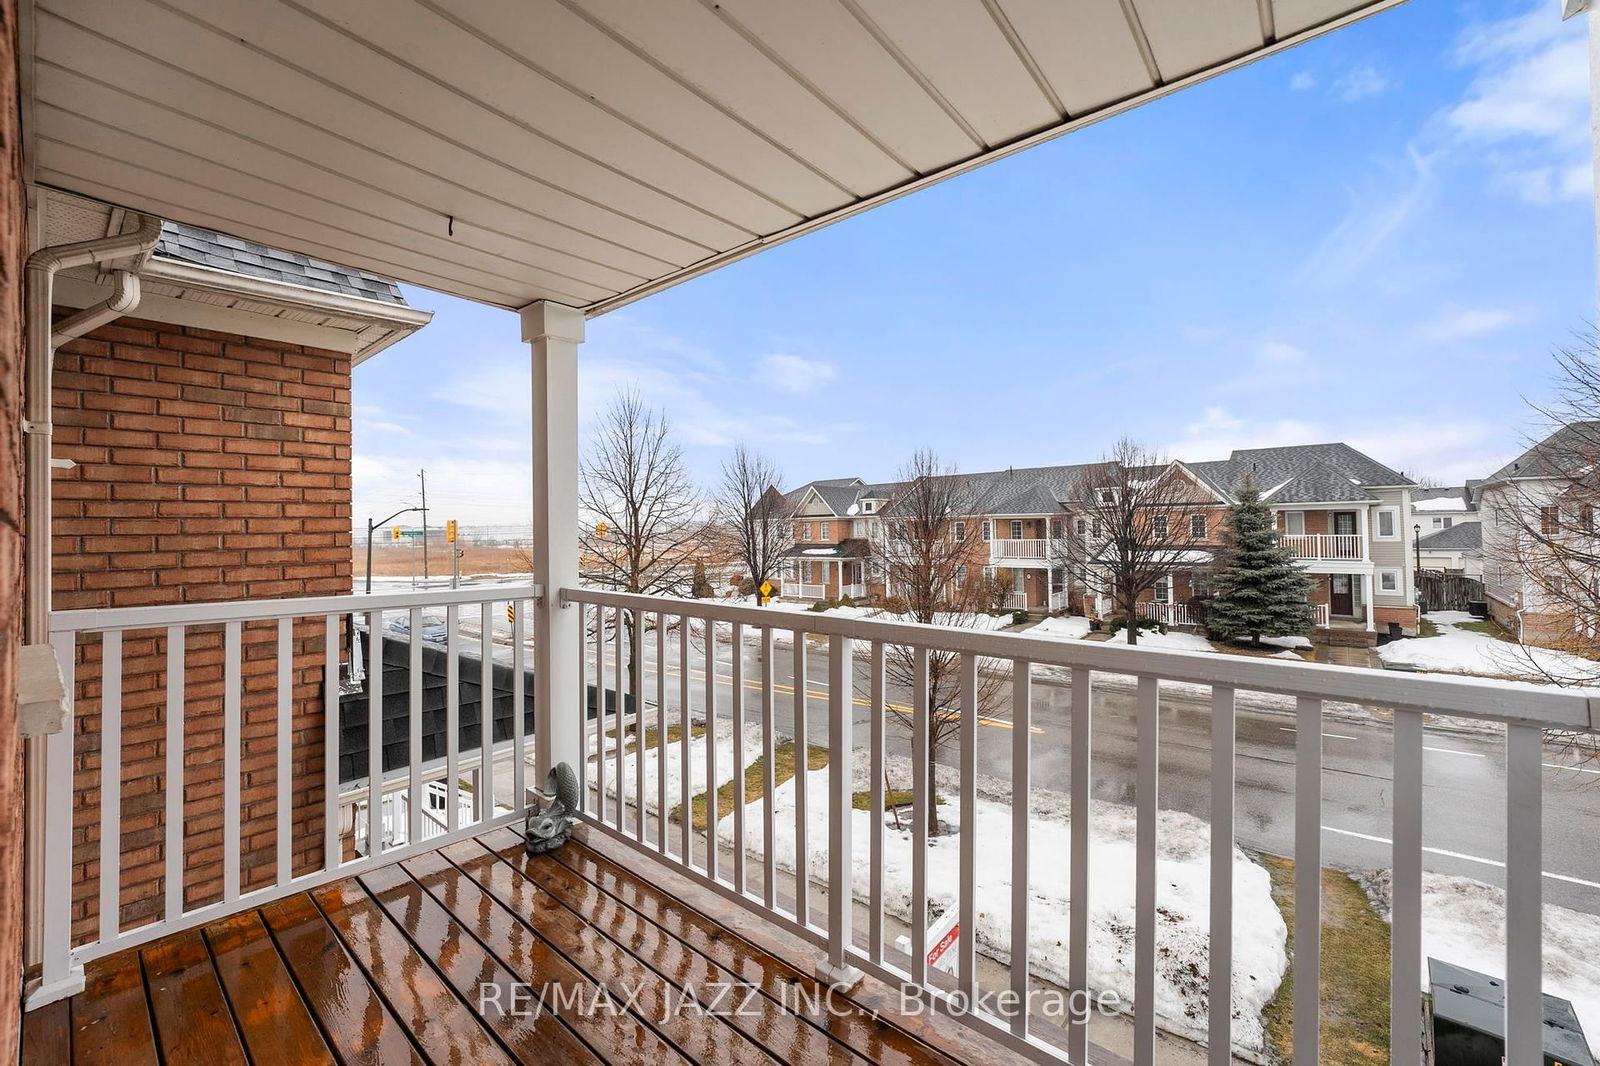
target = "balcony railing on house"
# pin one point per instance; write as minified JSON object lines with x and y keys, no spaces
{"x":1171,"y":614}
{"x":1016,"y":601}
{"x":1337,"y":547}
{"x":1037,"y":548}
{"x":1319,"y":614}
{"x":671,"y":658}
{"x":810,"y":592}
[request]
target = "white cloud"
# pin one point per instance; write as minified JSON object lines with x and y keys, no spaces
{"x":795,"y":375}
{"x":1526,"y":110}
{"x":1359,"y":83}
{"x":1302,"y":81}
{"x":1456,"y":323}
{"x":1281,"y":352}
{"x":1375,"y":214}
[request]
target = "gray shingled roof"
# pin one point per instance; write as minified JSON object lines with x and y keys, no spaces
{"x":1463,"y":536}
{"x":1462,"y":492}
{"x":1558,"y":454}
{"x":202,"y":247}
{"x":1319,"y":483}
{"x":1271,"y":467}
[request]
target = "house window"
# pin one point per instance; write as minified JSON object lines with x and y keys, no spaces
{"x":1199,"y":585}
{"x":1388,"y":523}
{"x":1549,"y":520}
{"x":868,"y":506}
{"x":1108,"y":496}
{"x":961,"y":575}
{"x":822,"y":533}
{"x":1094,"y":528}
{"x":1389,"y":581}
{"x":1158,"y":526}
{"x":1016,"y":529}
{"x":1197,"y":527}
{"x":987,"y":531}
{"x":1586,"y":518}
{"x":1163,"y":589}
{"x":1294,"y":523}
{"x":1056,"y":528}
{"x":1083,"y":527}
{"x":805,"y":530}
{"x":961,"y":534}
{"x":1442,"y":522}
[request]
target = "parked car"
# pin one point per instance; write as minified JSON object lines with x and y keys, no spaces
{"x":434,"y":630}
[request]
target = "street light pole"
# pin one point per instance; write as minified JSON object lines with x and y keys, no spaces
{"x":422,"y":475}
{"x":371,"y":525}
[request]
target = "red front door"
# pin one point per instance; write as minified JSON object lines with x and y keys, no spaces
{"x":1341,"y":600}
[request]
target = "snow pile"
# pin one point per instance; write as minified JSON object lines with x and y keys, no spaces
{"x":1074,"y":627}
{"x":1183,"y":937}
{"x":1464,"y":922}
{"x":1463,"y":651}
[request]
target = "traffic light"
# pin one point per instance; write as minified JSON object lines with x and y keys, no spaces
{"x":394,"y":533}
{"x":450,"y":531}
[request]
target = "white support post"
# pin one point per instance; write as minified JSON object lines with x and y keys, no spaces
{"x":1369,"y":586}
{"x":554,"y":332}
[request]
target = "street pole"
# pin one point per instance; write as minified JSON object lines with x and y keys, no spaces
{"x":455,"y":566}
{"x":370,"y":527}
{"x":423,"y":476}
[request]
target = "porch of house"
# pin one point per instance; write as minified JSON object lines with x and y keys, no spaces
{"x":479,"y":952}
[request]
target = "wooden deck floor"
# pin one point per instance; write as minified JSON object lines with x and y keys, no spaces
{"x":387,"y":968}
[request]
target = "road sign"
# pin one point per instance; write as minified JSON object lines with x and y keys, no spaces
{"x":394,"y":534}
{"x":601,"y":529}
{"x":511,"y":613}
{"x":766,"y":588}
{"x":450,"y":531}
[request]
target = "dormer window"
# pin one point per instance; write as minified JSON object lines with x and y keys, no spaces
{"x":869,"y":506}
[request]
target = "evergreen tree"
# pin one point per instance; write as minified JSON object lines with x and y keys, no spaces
{"x":1259,"y":589}
{"x":700,"y":586}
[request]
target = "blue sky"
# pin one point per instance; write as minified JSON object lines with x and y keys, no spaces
{"x":1376,"y":237}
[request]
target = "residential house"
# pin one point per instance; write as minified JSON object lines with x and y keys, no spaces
{"x":1435,"y":509}
{"x":1456,"y":549}
{"x":1338,"y":510}
{"x":1528,"y":510}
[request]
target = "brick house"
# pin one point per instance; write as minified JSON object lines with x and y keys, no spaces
{"x":203,"y":451}
{"x":1338,"y":510}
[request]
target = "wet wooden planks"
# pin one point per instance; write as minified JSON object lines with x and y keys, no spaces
{"x":474,"y":953}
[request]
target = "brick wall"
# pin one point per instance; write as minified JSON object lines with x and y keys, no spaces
{"x":211,"y":467}
{"x":13,"y":245}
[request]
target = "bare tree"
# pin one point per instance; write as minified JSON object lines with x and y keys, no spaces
{"x":932,"y":561}
{"x":1135,"y":507}
{"x":1541,"y":534}
{"x":751,"y":514}
{"x":642,"y":517}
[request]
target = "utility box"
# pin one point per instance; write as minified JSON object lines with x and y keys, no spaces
{"x":1468,"y":1021}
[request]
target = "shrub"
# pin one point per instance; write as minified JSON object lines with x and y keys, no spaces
{"x":846,"y":601}
{"x":1019,"y":617}
{"x":895,"y":605}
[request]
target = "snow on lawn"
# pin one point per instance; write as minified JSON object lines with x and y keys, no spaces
{"x":1182,"y":939}
{"x":674,"y":765}
{"x":1071,"y":627}
{"x":1463,"y":922}
{"x":1463,"y":651}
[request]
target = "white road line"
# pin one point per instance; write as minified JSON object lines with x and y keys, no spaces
{"x":1564,"y":766}
{"x":1458,"y":855}
{"x":1331,"y":736}
{"x":1455,"y":751}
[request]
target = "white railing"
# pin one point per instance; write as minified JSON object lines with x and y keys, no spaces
{"x":1172,"y":614}
{"x":1058,"y":601}
{"x":1018,"y":549}
{"x":743,"y":693}
{"x":811,"y":592}
{"x":1016,"y":601}
{"x":855,"y":592}
{"x":1339,"y":547}
{"x":193,"y":661}
{"x":1319,"y":613}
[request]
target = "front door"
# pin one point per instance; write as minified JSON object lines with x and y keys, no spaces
{"x":1341,"y":600}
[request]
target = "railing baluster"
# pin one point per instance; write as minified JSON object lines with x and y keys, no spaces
{"x":111,"y":785}
{"x":921,"y":800}
{"x":332,"y":851}
{"x":802,"y":873}
{"x":483,"y":795}
{"x":584,"y":612}
{"x":685,"y":728}
{"x":875,"y":789}
{"x":1307,"y":880}
{"x":841,"y":886}
{"x":232,"y":654}
{"x":1220,"y":1028}
{"x":966,"y":953}
{"x":1144,"y":936}
{"x":619,"y":705}
{"x":1524,"y":888}
{"x":375,"y":734}
{"x":285,"y":769}
{"x":519,"y":765}
{"x":59,"y":790}
{"x":736,"y":715}
{"x":414,"y":801}
{"x":1405,"y":941}
{"x":176,"y":684}
{"x":636,"y":686}
{"x":1078,"y":916}
{"x":452,"y":717}
{"x":769,"y":888}
{"x":711,"y":749}
{"x":1021,"y":783}
{"x":661,"y":731}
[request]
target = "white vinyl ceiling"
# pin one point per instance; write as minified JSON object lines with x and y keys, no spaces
{"x":585,"y":151}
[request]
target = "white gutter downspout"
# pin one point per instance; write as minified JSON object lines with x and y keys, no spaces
{"x":40,"y":342}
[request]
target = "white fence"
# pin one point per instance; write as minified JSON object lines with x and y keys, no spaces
{"x":276,"y":635}
{"x":1319,"y":613}
{"x":1330,"y":546}
{"x":1172,"y":614}
{"x":870,"y":659}
{"x":1016,"y":601}
{"x":1018,"y":549}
